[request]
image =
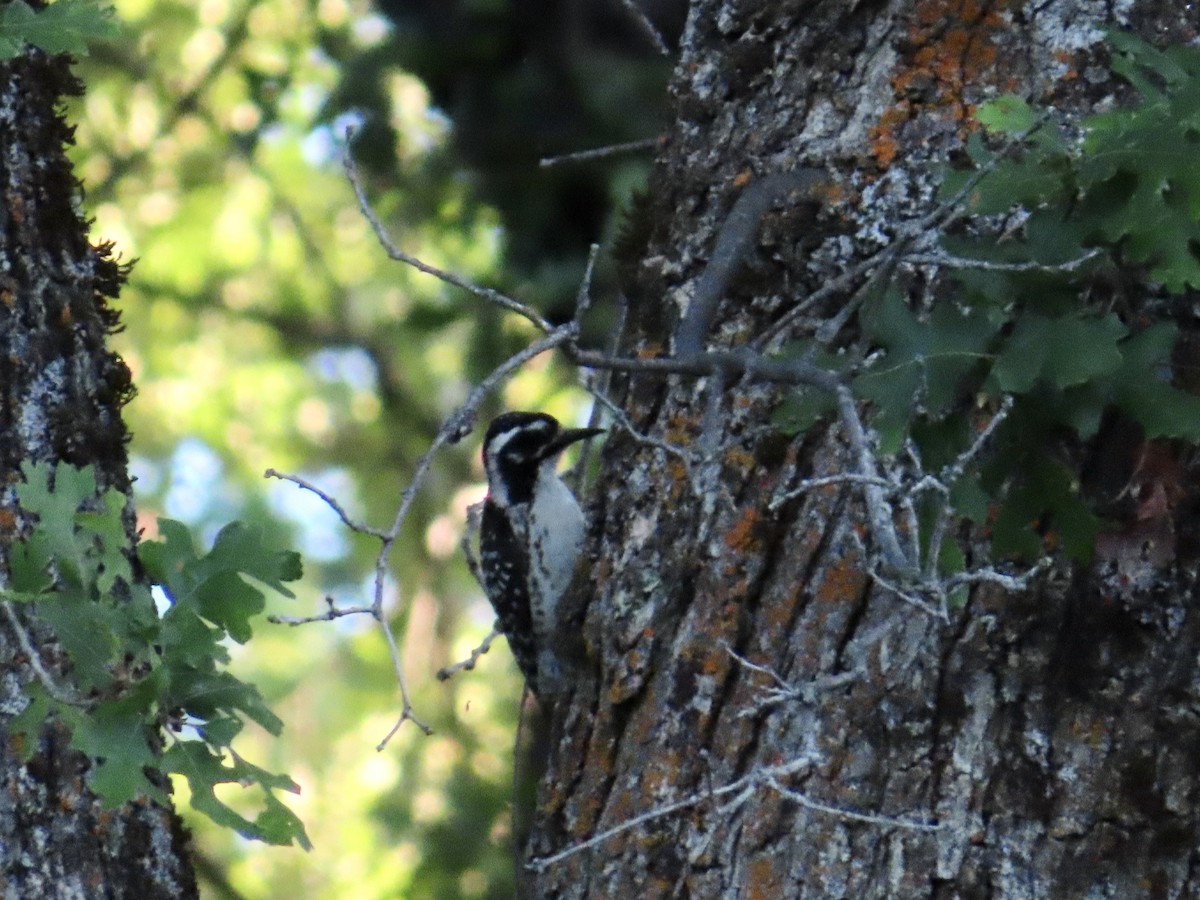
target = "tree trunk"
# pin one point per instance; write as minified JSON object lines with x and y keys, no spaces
{"x":760,"y":718}
{"x":61,"y":393}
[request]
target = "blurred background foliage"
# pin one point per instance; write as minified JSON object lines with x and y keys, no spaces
{"x":265,"y":327}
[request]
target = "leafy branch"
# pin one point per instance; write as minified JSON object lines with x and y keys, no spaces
{"x":135,"y":675}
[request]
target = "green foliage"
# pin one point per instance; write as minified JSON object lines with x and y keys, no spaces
{"x":65,"y":26}
{"x":135,"y":672}
{"x":925,"y":364}
{"x":1024,"y":321}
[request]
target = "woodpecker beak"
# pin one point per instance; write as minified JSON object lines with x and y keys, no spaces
{"x":567,"y":437}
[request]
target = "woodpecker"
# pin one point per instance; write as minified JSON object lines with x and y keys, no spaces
{"x":530,"y":536}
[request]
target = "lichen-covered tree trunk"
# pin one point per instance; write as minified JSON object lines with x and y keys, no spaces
{"x":760,"y":718}
{"x":61,"y":393}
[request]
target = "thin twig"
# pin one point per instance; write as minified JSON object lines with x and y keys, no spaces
{"x":1014,"y":584}
{"x":987,"y":265}
{"x":849,"y":814}
{"x":583,"y":296}
{"x":783,"y":371}
{"x":809,"y":484}
{"x":742,"y":790}
{"x":936,"y":612}
{"x":953,"y":472}
{"x":406,"y":707}
{"x":734,"y":241}
{"x":381,"y":233}
{"x":598,"y":152}
{"x":878,"y":512}
{"x":647,"y":26}
{"x":329,"y":501}
{"x":447,"y":672}
{"x":331,"y":613}
{"x":906,"y":235}
{"x":621,"y":420}
{"x":56,"y":692}
{"x":540,"y":864}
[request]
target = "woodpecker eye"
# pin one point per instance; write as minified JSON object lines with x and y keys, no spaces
{"x":526,"y":445}
{"x":523,"y":441}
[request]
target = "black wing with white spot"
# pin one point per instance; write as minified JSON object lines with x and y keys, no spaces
{"x":504,"y":567}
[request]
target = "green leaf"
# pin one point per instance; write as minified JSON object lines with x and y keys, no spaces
{"x":115,"y":735}
{"x":1063,"y":352}
{"x":166,"y":560}
{"x":1009,"y":115}
{"x":1143,"y":390}
{"x":85,"y":630}
{"x":204,"y":770}
{"x":1045,"y":502}
{"x":213,"y":585}
{"x":240,"y":548}
{"x":211,"y":694}
{"x":65,"y":26}
{"x":926,"y":361}
{"x":55,"y":537}
{"x":229,"y":602}
{"x":107,"y":526}
{"x":801,"y":409}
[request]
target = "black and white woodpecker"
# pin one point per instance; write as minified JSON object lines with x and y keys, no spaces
{"x":530,"y":537}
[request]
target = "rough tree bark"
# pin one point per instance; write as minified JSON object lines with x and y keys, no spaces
{"x":61,"y":392}
{"x":1051,"y":735}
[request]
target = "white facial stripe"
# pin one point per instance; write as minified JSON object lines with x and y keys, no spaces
{"x":500,"y":441}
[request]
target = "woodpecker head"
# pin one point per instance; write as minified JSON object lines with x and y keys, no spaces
{"x":517,"y":447}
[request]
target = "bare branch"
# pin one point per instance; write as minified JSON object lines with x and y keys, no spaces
{"x":964,"y":262}
{"x":955,"y":470}
{"x":466,"y":665}
{"x":540,"y":864}
{"x":406,"y":708}
{"x":583,"y":297}
{"x":329,"y":501}
{"x":734,"y":241}
{"x":639,"y":16}
{"x":491,"y":296}
{"x":887,"y":257}
{"x":1011,"y":583}
{"x":331,"y":613}
{"x":883,"y":530}
{"x":740,"y":792}
{"x":848,"y":814}
{"x":741,"y":361}
{"x":599,"y":152}
{"x":809,"y":484}
{"x":940,"y":612}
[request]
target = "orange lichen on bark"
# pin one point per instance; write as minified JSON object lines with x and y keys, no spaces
{"x":742,"y":536}
{"x":949,"y":45}
{"x":842,"y":581}
{"x":1067,"y":58}
{"x":739,"y":460}
{"x":764,"y":881}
